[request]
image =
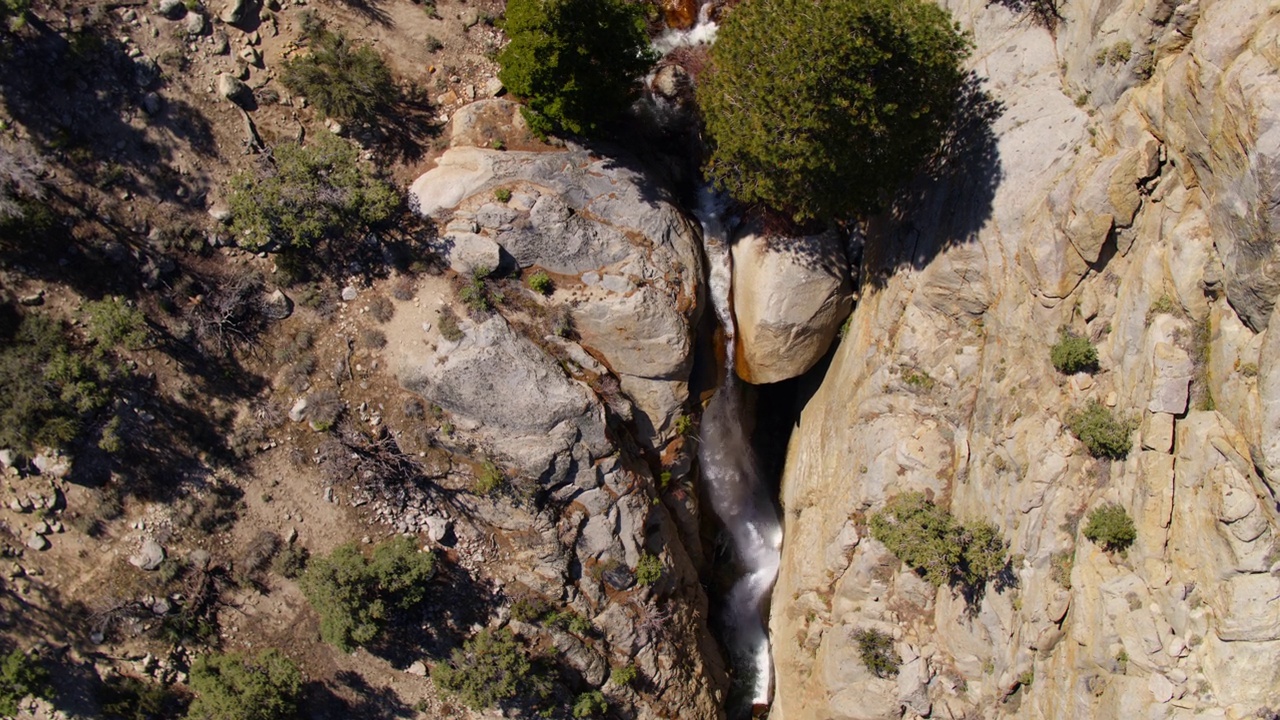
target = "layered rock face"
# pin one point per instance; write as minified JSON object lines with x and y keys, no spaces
{"x":1117,"y":181}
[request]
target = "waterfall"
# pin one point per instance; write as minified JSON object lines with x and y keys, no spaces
{"x":733,"y":482}
{"x":702,"y":33}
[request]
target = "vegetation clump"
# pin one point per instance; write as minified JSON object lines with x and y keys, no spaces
{"x":355,"y":596}
{"x":1073,"y":354}
{"x":113,"y":324}
{"x":540,"y":282}
{"x":1110,"y":527}
{"x":648,"y":569}
{"x":342,"y":79}
{"x":50,"y":388}
{"x":590,"y":704}
{"x":822,"y":109}
{"x":928,"y":539}
{"x":875,"y":647}
{"x":236,"y":687}
{"x":21,"y":675}
{"x":490,"y":669}
{"x":1102,"y":433}
{"x":306,"y":194}
{"x":574,"y":63}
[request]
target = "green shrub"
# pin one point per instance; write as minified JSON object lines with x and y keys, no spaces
{"x":113,"y":323}
{"x":475,"y":293}
{"x":1102,"y":433}
{"x":590,"y":704}
{"x":490,"y":669}
{"x":235,"y":687}
{"x":624,"y":675}
{"x":489,"y":479}
{"x":540,"y":282}
{"x":502,"y":195}
{"x":875,"y":647}
{"x":929,"y":540}
{"x":1111,"y":527}
{"x":355,"y":595}
{"x":1073,"y":354}
{"x":575,"y":63}
{"x":49,"y":387}
{"x":648,"y":569}
{"x":308,"y":194}
{"x":21,"y":675}
{"x":824,"y":109}
{"x":343,"y":80}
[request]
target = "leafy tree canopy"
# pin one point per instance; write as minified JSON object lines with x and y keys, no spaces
{"x":306,"y":194}
{"x":821,"y":107}
{"x":575,"y":63}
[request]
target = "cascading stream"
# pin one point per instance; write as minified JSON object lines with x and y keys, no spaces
{"x":733,"y":482}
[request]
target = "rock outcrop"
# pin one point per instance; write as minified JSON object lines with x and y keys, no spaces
{"x":1115,"y":180}
{"x":790,"y":296}
{"x":555,"y":412}
{"x":623,"y":256}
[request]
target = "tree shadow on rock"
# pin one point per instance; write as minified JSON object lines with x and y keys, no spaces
{"x":952,"y":199}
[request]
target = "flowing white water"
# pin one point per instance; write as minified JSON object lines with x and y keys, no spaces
{"x":702,"y":33}
{"x":734,"y":485}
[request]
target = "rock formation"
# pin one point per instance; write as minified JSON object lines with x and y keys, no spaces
{"x":627,"y":269}
{"x":791,"y":294}
{"x":1114,"y":178}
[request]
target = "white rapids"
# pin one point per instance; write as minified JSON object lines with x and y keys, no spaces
{"x":734,"y":485}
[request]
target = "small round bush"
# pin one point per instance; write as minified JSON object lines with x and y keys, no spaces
{"x":1073,"y":354}
{"x":540,"y":282}
{"x":875,"y":647}
{"x":1111,"y":527}
{"x":648,"y":569}
{"x":1102,"y":433}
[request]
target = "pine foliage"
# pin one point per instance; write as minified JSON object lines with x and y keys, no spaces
{"x":575,"y":63}
{"x":821,"y":109}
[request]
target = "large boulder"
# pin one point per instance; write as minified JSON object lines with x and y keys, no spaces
{"x":626,"y":259}
{"x":502,"y":384}
{"x":790,"y":295}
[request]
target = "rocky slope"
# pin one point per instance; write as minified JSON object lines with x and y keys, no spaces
{"x":577,"y":390}
{"x":1118,"y":180}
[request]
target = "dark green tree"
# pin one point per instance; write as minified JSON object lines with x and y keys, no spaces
{"x":821,"y":109}
{"x":20,"y":675}
{"x":575,"y":63}
{"x":306,"y":194}
{"x":50,"y":387}
{"x":342,"y":79}
{"x":235,"y":687}
{"x":355,"y":595}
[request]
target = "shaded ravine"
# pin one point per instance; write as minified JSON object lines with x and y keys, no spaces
{"x":735,"y":487}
